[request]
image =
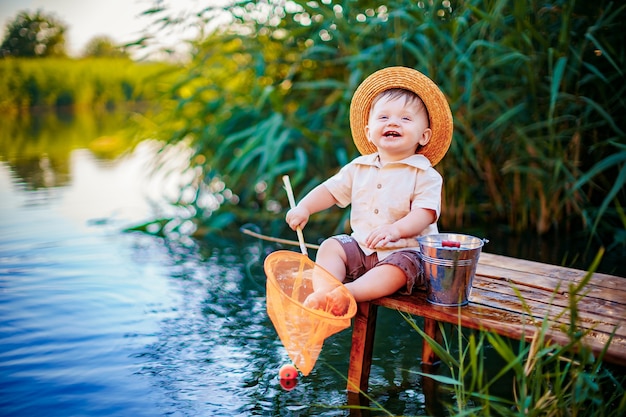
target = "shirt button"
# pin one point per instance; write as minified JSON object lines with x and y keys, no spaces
{"x":379,"y":186}
{"x":375,"y":211}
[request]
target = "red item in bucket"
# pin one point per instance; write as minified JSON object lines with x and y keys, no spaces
{"x":450,"y":244}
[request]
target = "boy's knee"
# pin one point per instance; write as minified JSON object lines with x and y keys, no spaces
{"x":331,"y":247}
{"x":329,"y":244}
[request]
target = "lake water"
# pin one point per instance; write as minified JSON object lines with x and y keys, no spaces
{"x":95,"y":321}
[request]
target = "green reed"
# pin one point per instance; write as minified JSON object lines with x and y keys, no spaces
{"x":536,"y":91}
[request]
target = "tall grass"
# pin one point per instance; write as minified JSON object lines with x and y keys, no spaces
{"x":100,"y":83}
{"x":546,"y":379}
{"x":536,"y":91}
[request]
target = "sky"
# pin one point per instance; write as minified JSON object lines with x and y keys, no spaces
{"x":118,"y":19}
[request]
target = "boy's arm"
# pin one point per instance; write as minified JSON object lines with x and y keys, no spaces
{"x":415,"y":222}
{"x":317,"y":200}
{"x":410,"y":225}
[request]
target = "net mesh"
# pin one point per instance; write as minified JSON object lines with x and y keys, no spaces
{"x":302,"y":330}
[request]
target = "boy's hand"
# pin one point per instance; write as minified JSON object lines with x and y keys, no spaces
{"x":297,"y":217}
{"x":382,"y":236}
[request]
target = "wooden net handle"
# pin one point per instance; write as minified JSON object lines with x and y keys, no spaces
{"x":292,"y":204}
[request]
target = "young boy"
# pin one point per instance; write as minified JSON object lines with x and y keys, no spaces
{"x":402,"y":125}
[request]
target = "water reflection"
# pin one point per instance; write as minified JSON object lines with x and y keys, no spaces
{"x":94,"y":321}
{"x":38,"y":146}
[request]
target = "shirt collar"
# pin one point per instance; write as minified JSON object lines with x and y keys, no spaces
{"x":418,"y":161}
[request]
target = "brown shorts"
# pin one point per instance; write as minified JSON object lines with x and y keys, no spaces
{"x":359,"y":263}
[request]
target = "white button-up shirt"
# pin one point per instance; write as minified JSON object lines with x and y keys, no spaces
{"x":381,"y":195}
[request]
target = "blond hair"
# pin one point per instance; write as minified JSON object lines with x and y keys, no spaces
{"x":409,"y":96}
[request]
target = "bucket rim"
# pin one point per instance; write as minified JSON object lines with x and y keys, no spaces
{"x":473,"y":241}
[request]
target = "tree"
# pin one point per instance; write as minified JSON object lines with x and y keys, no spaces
{"x":104,"y":46}
{"x":34,"y":35}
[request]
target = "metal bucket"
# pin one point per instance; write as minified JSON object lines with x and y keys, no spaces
{"x":449,"y":261}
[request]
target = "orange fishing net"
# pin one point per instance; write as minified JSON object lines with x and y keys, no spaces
{"x":302,"y":330}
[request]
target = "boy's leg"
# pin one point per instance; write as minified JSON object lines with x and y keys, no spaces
{"x":332,"y":257}
{"x":380,"y":281}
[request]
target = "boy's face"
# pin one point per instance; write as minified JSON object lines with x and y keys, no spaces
{"x":397,"y":126}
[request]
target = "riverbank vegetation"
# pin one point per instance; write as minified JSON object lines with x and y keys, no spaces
{"x":535,"y":88}
{"x":92,"y":83}
{"x":544,"y":378}
{"x":536,"y":91}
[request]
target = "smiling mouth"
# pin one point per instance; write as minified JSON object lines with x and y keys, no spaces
{"x":391,"y":133}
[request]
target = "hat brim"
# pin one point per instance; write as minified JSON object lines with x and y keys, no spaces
{"x":439,"y":111}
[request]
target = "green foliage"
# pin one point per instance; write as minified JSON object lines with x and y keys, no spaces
{"x":545,"y":378}
{"x":34,"y":35}
{"x":93,"y":83}
{"x":104,"y":46}
{"x":536,"y":91}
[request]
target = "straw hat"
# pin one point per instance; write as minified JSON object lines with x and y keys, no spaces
{"x":409,"y":79}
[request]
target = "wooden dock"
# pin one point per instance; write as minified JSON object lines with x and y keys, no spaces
{"x":513,"y":298}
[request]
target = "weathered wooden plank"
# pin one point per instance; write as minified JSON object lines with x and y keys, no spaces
{"x":589,"y":308}
{"x":550,"y":283}
{"x":506,"y":323}
{"x":605,"y":310}
{"x":587,"y":319}
{"x":550,"y":271}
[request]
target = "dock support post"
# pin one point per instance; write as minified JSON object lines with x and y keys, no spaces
{"x":362,"y":347}
{"x":431,"y":328}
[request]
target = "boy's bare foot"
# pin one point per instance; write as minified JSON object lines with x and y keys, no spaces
{"x":338,"y":301}
{"x":316,"y":300}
